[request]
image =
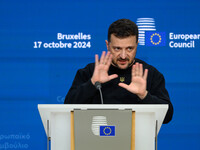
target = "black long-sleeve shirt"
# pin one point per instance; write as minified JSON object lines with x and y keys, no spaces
{"x":83,"y":91}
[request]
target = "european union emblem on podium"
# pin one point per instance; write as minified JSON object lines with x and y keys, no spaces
{"x":107,"y":130}
{"x":155,"y":38}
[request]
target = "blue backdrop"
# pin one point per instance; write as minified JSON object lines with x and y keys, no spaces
{"x":35,"y":69}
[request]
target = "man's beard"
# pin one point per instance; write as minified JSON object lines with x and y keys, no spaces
{"x":127,"y":59}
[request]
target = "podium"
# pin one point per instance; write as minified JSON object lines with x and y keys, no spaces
{"x":58,"y":123}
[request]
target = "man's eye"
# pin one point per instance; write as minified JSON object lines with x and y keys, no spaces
{"x":130,"y":48}
{"x":117,"y":48}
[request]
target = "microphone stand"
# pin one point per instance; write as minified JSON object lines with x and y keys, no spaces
{"x":98,"y":86}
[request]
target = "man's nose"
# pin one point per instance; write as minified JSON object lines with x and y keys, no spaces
{"x":123,"y":54}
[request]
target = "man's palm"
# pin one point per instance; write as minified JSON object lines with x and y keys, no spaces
{"x":138,"y":81}
{"x":101,"y":69}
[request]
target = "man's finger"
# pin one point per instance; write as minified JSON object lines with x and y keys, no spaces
{"x":133,"y":71}
{"x":123,"y":85}
{"x":145,"y":74}
{"x":109,"y":61}
{"x":136,"y":69}
{"x":102,"y":57}
{"x":113,"y":76}
{"x":140,"y":70}
{"x":107,"y":58}
{"x":96,"y":60}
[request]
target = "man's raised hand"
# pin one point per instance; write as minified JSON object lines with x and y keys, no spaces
{"x":138,"y":83}
{"x":101,"y":68}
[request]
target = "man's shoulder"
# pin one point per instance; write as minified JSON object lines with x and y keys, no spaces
{"x":89,"y":68}
{"x":146,"y":65}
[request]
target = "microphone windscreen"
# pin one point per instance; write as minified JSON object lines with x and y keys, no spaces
{"x":97,"y":85}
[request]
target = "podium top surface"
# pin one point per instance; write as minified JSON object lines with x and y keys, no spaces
{"x":71,"y":107}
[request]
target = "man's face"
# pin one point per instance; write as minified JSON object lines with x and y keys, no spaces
{"x":123,"y":50}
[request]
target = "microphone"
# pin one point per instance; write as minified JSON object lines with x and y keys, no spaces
{"x":98,"y":87}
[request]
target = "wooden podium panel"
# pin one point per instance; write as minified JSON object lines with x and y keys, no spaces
{"x":133,"y":132}
{"x":72,"y":131}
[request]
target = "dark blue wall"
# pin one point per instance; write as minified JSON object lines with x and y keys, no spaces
{"x":31,"y":76}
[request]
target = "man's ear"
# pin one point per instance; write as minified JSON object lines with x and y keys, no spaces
{"x":107,"y":44}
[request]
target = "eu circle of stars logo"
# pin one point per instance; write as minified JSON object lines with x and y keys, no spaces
{"x":155,"y":38}
{"x":107,"y":130}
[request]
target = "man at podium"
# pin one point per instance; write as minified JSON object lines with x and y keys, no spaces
{"x":123,"y":78}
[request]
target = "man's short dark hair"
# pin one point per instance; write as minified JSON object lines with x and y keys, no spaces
{"x":123,"y":28}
